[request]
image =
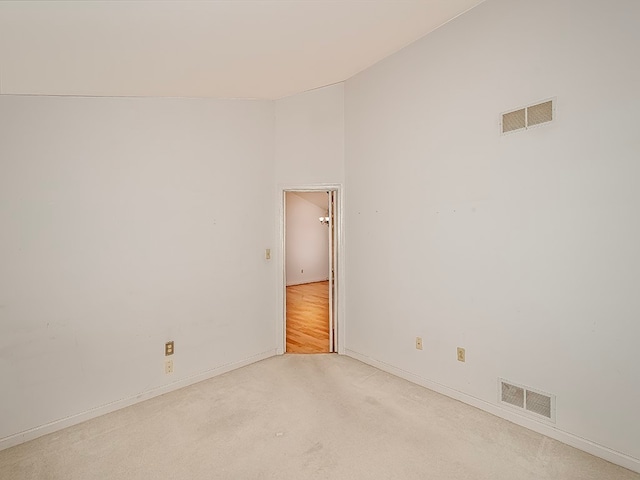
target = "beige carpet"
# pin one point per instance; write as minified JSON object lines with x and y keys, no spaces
{"x":302,"y":417}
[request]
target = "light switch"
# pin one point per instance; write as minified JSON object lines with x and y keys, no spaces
{"x":267,"y":254}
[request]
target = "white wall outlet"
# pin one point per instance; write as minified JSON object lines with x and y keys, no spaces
{"x":461,"y":355}
{"x":168,"y":367}
{"x":419,"y":343}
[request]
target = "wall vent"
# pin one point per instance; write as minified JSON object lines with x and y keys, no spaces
{"x":513,"y":395}
{"x":529,"y":401}
{"x":538,"y":403}
{"x":513,"y":121}
{"x":527,"y":117}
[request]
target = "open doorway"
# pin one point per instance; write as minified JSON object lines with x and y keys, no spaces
{"x":310,"y":234}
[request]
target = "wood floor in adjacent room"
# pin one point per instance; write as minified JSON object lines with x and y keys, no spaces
{"x":308,"y":318}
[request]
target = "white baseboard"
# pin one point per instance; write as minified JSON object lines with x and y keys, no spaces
{"x":56,"y":425}
{"x":565,"y":437}
{"x":308,"y":280}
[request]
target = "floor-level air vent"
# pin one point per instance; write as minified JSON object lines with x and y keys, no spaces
{"x":513,"y":395}
{"x":527,"y":117}
{"x":528,"y":400}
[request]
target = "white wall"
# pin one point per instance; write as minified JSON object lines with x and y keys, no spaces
{"x":307,"y":240}
{"x":310,"y":137}
{"x":521,"y":248}
{"x":117,"y":235}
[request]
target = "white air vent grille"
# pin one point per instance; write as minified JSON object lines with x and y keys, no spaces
{"x":541,"y":113}
{"x":514,"y":120}
{"x":538,"y":403}
{"x":527,"y":400}
{"x":513,"y":395}
{"x":527,"y":117}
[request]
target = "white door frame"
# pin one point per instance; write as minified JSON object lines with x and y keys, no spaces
{"x":339,"y":317}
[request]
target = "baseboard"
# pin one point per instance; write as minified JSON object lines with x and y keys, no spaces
{"x":565,"y":437}
{"x":307,"y":281}
{"x":56,"y":425}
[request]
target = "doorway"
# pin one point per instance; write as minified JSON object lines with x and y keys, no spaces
{"x":310,"y":233}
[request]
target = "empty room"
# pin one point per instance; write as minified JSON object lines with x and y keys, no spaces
{"x":471,"y":169}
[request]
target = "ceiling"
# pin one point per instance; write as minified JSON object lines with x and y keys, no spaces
{"x":221,"y":49}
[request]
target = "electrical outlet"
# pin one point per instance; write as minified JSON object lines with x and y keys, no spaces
{"x":461,"y":354}
{"x":168,"y":367}
{"x":419,"y":343}
{"x":168,"y":348}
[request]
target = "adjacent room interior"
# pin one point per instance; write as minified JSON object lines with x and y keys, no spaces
{"x":308,"y":226}
{"x":485,"y":156}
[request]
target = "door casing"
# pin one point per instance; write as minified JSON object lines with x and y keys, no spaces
{"x":338,"y":245}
